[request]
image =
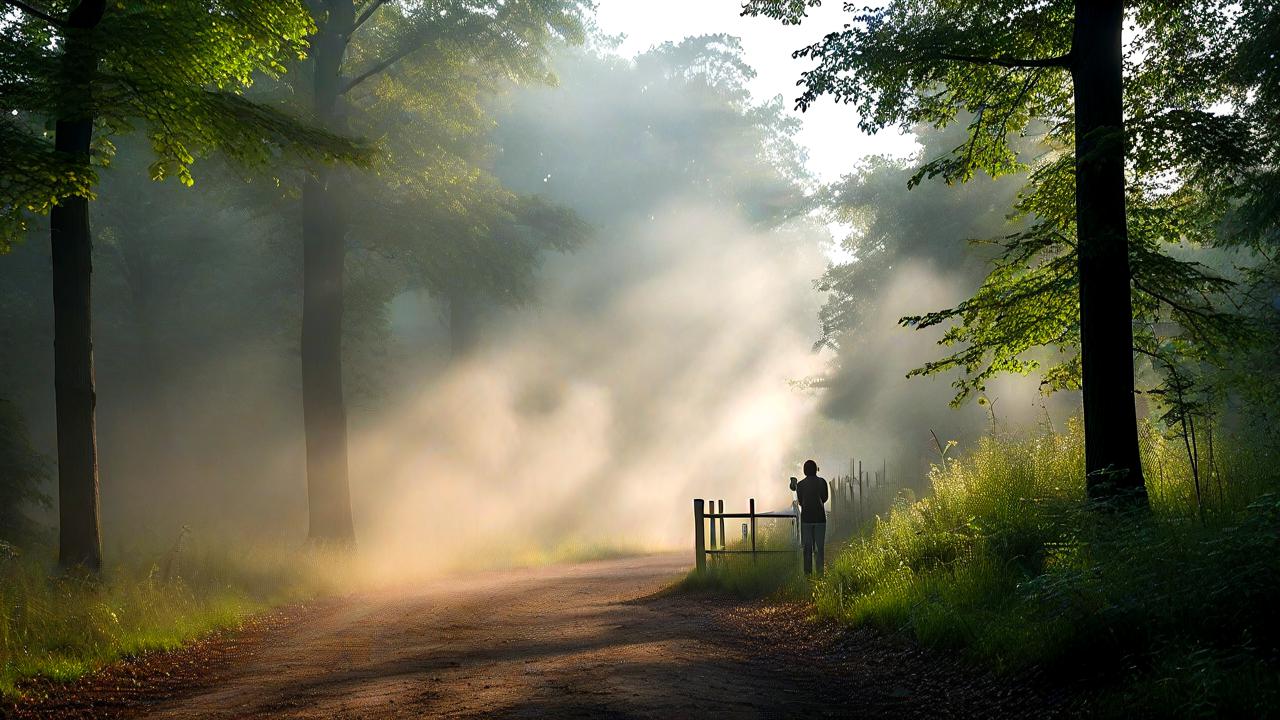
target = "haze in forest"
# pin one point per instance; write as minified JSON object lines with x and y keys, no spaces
{"x":669,"y":348}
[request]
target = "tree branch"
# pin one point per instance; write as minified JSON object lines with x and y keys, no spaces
{"x":380,"y":66}
{"x":1187,"y":309}
{"x":1061,"y":61}
{"x":36,"y":12}
{"x":368,"y":12}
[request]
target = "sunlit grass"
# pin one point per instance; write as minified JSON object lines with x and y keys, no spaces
{"x":775,"y":575}
{"x":60,"y":627}
{"x":1004,"y":562}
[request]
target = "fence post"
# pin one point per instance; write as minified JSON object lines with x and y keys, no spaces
{"x":862,"y":503}
{"x":713,"y":524}
{"x":699,"y":542}
{"x":863,"y":483}
{"x":724,"y":539}
{"x":752,"y":505}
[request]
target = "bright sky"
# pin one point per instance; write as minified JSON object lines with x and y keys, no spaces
{"x":830,"y":131}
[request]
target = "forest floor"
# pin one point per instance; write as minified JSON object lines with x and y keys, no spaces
{"x":598,"y":639}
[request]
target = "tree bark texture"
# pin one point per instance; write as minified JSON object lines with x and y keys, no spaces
{"x":324,"y":232}
{"x":79,"y":529}
{"x":1112,"y":460}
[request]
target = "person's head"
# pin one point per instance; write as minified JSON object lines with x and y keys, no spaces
{"x":810,"y":468}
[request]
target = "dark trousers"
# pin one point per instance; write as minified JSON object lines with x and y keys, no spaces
{"x":813,"y":540}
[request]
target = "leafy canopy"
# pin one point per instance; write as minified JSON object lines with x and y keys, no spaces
{"x":1003,"y":66}
{"x":175,"y":69}
{"x":423,"y":81}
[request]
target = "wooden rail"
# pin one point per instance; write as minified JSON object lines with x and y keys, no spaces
{"x":855,"y":501}
{"x":700,"y":524}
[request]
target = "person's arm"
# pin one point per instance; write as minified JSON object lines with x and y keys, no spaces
{"x":825,"y":492}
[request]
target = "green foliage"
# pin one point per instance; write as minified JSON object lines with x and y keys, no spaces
{"x":33,"y":177}
{"x":892,"y":229}
{"x":1251,"y":179}
{"x":23,"y":472}
{"x":422,"y":82}
{"x":1004,"y":562}
{"x":1003,"y":67}
{"x":173,"y":69}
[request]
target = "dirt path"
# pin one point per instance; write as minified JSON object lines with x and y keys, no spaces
{"x":589,"y":640}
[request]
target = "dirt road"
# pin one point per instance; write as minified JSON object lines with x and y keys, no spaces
{"x":589,"y":640}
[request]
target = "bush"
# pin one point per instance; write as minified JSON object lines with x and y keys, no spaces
{"x":1004,"y":562}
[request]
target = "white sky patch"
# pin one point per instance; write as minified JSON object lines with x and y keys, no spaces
{"x":830,"y":132}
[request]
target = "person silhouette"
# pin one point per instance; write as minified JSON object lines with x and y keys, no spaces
{"x":812,"y":493}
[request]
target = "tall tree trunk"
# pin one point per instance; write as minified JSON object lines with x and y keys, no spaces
{"x":324,"y":233}
{"x":79,"y":532}
{"x":1112,"y":459}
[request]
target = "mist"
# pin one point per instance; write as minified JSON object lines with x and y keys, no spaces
{"x":597,"y":415}
{"x":907,"y":252}
{"x":669,"y":354}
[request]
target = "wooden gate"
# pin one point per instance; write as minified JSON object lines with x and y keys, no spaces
{"x":854,"y":501}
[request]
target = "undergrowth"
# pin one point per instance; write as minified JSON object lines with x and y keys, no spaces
{"x":775,"y":574}
{"x":1172,"y":612}
{"x":59,"y":626}
{"x":62,"y":626}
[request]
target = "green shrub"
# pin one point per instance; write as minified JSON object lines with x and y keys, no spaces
{"x":1004,"y":562}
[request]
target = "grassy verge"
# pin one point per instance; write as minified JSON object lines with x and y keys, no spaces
{"x":771,"y":575}
{"x":63,"y":627}
{"x":1173,"y":613}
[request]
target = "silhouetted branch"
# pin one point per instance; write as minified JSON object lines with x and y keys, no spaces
{"x":36,"y":12}
{"x":1061,"y":61}
{"x":368,"y":12}
{"x":377,"y":68}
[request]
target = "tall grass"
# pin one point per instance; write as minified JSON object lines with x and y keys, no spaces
{"x":775,"y":574}
{"x":1003,"y":561}
{"x":61,"y":627}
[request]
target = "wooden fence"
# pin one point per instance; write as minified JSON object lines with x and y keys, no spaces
{"x":854,"y":501}
{"x":858,"y":498}
{"x":719,"y":546}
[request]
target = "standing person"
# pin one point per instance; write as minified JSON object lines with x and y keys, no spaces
{"x":812,"y":493}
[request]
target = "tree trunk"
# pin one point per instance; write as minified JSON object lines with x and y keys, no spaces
{"x":324,"y":232}
{"x":79,"y":531}
{"x":1112,"y":461}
